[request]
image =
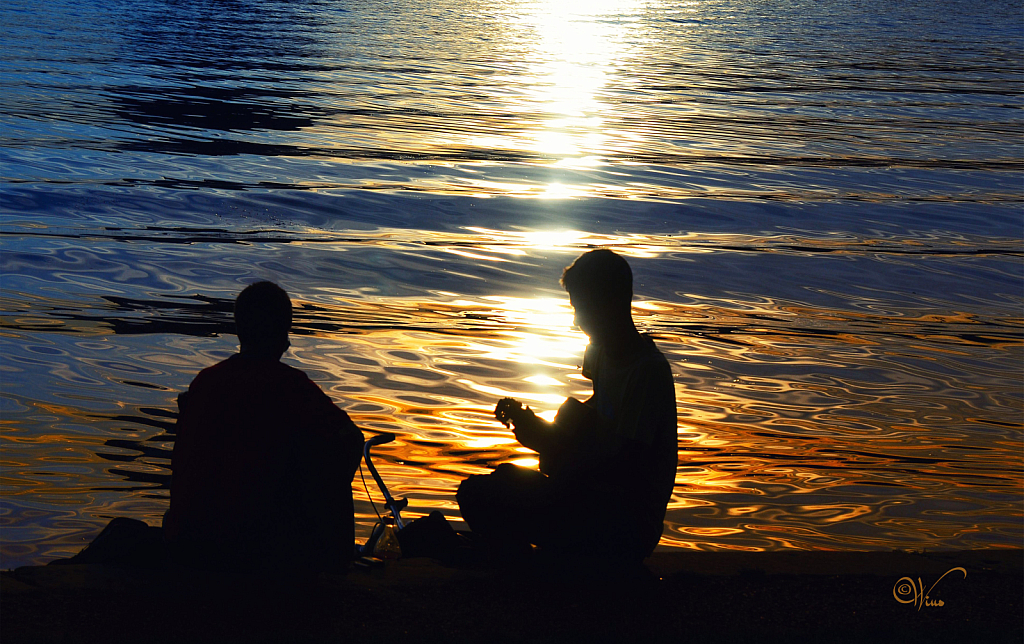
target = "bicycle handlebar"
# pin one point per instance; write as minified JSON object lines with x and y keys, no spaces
{"x":380,"y":439}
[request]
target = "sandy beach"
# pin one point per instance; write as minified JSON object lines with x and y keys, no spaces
{"x":680,"y":597}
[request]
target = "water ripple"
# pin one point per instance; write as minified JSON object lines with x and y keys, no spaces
{"x":820,"y":201}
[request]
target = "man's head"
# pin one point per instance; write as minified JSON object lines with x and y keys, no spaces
{"x":263,"y":316}
{"x":600,"y":287}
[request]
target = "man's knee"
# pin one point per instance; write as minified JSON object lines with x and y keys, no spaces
{"x":485,"y":487}
{"x":471,"y":490}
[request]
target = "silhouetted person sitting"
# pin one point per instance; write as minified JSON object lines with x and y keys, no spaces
{"x":607,"y":465}
{"x":263,"y":460}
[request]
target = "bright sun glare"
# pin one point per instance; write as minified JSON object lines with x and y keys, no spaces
{"x":578,"y":46}
{"x":540,"y":338}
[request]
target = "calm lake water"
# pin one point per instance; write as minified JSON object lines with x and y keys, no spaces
{"x":821,"y":201}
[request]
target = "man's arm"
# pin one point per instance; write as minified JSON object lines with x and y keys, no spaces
{"x":342,"y":439}
{"x":531,"y":431}
{"x":329,"y":462}
{"x":579,"y":439}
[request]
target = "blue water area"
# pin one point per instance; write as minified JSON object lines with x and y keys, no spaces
{"x":821,"y":203}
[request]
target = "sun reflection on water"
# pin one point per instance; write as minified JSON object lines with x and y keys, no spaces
{"x":836,"y":303}
{"x":801,"y":424}
{"x":576,"y":49}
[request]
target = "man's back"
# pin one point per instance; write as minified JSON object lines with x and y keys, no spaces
{"x":637,"y":395}
{"x":262,"y":463}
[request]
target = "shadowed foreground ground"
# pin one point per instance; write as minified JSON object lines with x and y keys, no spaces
{"x":687,"y":597}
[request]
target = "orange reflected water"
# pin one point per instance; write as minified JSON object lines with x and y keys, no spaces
{"x":799,"y":425}
{"x":847,"y":363}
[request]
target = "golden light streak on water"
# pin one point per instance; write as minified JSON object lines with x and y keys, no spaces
{"x":525,"y":462}
{"x":833,"y":275}
{"x":787,"y":410}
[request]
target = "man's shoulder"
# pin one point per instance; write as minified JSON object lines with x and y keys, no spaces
{"x":643,"y":358}
{"x":238,"y":367}
{"x":650,"y":356}
{"x":261,"y":384}
{"x":213,"y":373}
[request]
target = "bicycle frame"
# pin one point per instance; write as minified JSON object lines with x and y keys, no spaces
{"x":394,"y":505}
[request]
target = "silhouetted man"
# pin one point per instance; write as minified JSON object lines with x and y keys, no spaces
{"x":607,"y":465}
{"x":263,"y":460}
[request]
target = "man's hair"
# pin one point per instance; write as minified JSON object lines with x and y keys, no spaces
{"x":600,"y":275}
{"x":263,"y":314}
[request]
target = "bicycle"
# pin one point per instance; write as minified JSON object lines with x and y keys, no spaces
{"x":395,"y":506}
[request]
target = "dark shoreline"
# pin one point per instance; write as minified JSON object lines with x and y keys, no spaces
{"x":680,"y":597}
